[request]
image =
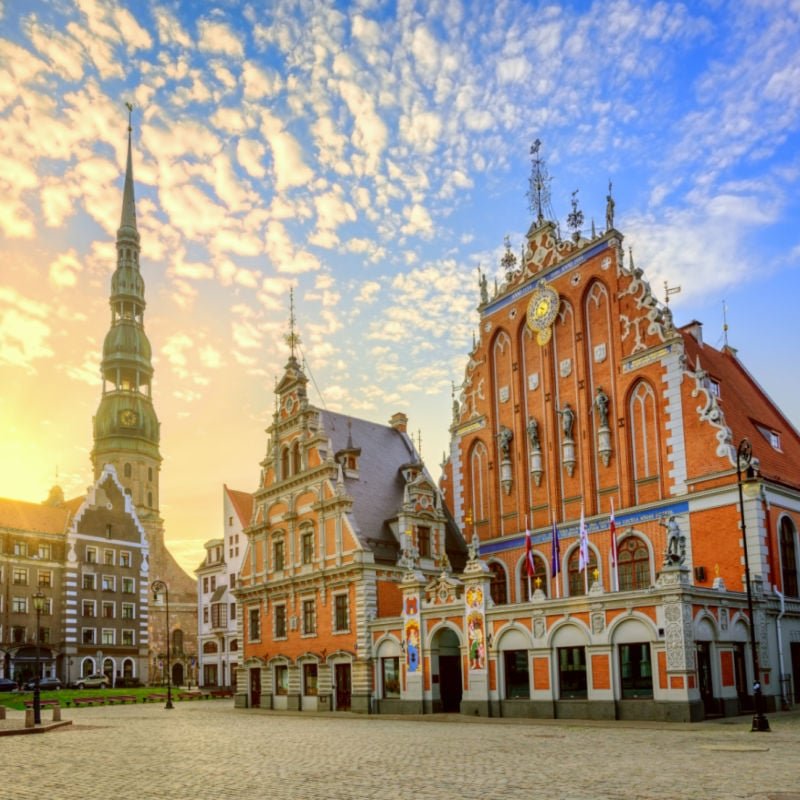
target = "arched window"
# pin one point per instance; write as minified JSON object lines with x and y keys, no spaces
{"x":177,"y":641}
{"x":479,"y":467}
{"x":234,"y":645}
{"x":539,"y":579}
{"x":577,"y":580}
{"x":149,"y":473}
{"x":127,"y":471}
{"x":499,"y":587}
{"x":633,"y":564}
{"x":788,"y":558}
{"x":296,"y":458}
{"x":644,"y":443}
{"x":209,"y":648}
{"x":150,"y":499}
{"x":284,"y":463}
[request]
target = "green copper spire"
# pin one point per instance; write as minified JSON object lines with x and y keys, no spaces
{"x":126,"y":428}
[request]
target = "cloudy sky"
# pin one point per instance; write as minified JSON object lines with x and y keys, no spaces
{"x":371,"y":155}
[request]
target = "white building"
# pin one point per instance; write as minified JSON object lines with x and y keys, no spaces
{"x":218,"y":639}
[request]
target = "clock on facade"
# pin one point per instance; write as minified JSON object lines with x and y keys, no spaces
{"x":541,"y":314}
{"x":128,"y":418}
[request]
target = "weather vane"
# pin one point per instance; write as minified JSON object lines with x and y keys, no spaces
{"x":575,"y":217}
{"x":292,"y":338}
{"x":670,"y":290}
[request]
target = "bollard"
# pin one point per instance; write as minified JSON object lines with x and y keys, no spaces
{"x":2,"y":712}
{"x":29,"y":716}
{"x":56,"y":713}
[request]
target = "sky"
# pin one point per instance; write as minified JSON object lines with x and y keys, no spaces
{"x":372,"y":156}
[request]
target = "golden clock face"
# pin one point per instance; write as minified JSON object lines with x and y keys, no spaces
{"x":542,"y":310}
{"x":128,"y":418}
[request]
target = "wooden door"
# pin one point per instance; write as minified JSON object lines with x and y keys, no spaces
{"x":342,"y":687}
{"x":255,"y":687}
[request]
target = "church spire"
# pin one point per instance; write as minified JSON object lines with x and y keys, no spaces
{"x":126,"y":428}
{"x":128,"y":218}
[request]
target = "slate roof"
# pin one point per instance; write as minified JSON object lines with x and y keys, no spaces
{"x":747,"y":406}
{"x":377,"y":492}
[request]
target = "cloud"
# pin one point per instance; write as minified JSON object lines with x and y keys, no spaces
{"x":24,"y":330}
{"x":217,"y":37}
{"x":287,"y":156}
{"x":64,"y":270}
{"x":260,"y":83}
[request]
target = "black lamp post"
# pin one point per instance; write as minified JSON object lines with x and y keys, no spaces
{"x":38,"y":605}
{"x":744,"y":460}
{"x":160,"y":586}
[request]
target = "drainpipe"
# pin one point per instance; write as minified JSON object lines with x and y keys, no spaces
{"x":784,"y":699}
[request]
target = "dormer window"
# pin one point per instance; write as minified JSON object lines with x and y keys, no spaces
{"x":772,"y":436}
{"x":714,"y":387}
{"x":424,"y":541}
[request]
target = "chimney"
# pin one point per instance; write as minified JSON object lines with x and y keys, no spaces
{"x":399,"y":422}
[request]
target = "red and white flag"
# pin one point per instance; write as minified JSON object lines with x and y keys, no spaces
{"x":529,"y":566}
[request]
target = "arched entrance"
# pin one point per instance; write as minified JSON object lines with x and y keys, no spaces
{"x":177,"y":674}
{"x":446,"y":671}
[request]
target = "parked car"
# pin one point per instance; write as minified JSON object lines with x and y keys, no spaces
{"x":96,"y":680}
{"x":7,"y":685}
{"x":44,"y":683}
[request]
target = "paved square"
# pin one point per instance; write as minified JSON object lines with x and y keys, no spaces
{"x":209,"y":751}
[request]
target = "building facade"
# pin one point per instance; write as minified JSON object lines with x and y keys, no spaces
{"x":87,"y":615}
{"x":342,"y":504}
{"x":589,"y":420}
{"x":217,"y":632}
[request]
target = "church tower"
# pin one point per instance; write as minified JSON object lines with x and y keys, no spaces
{"x":126,"y":429}
{"x":126,"y":435}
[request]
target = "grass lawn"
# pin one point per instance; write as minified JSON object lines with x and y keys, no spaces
{"x":17,"y":699}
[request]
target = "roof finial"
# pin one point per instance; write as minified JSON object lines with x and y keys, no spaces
{"x":292,"y":338}
{"x":129,"y":106}
{"x":539,"y":189}
{"x":575,"y":217}
{"x":609,"y":208}
{"x":670,"y":290}
{"x":725,"y":322}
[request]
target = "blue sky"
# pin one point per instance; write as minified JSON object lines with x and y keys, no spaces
{"x":371,"y":155}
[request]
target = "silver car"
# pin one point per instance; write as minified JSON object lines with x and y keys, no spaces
{"x":95,"y":681}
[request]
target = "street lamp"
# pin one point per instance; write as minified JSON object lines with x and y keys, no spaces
{"x":160,"y":586}
{"x":744,"y":460}
{"x":38,"y":605}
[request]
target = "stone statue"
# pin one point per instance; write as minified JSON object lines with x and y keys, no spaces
{"x":533,"y":434}
{"x":505,"y":436}
{"x":484,"y":289}
{"x":609,"y":209}
{"x":567,"y":421}
{"x":675,"y":552}
{"x":601,"y":404}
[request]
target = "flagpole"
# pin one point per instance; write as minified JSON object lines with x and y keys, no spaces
{"x":614,"y":553}
{"x":528,"y":557}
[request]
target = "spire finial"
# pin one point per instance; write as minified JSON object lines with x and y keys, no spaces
{"x":292,"y":338}
{"x":129,"y":106}
{"x":725,"y":322}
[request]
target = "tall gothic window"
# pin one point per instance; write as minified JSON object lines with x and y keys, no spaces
{"x":284,"y":463}
{"x":634,"y":564}
{"x":788,"y":558}
{"x":643,"y":416}
{"x":479,"y":467}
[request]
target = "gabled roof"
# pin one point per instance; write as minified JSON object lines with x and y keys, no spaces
{"x":377,"y":492}
{"x":748,"y":410}
{"x":242,"y":503}
{"x":34,"y":517}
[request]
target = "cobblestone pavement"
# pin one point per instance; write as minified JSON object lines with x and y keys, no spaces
{"x":210,"y":751}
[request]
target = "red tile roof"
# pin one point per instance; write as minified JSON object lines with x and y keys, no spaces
{"x":35,"y":517}
{"x":243,"y":505}
{"x":748,"y":409}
